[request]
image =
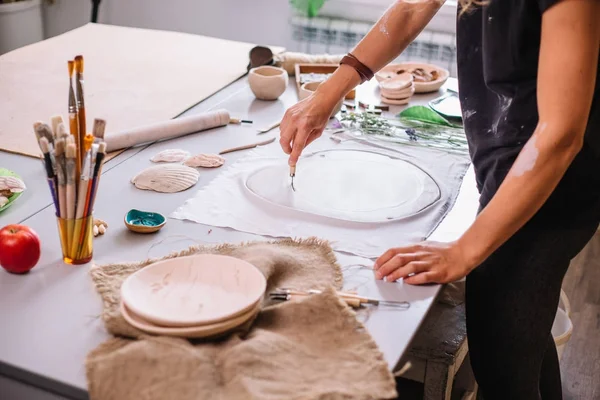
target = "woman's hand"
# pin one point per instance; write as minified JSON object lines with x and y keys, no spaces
{"x":430,"y":262}
{"x":305,"y":122}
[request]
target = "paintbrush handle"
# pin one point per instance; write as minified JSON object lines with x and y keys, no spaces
{"x":52,"y":185}
{"x":248,"y":146}
{"x":81,"y":198}
{"x":70,"y":201}
{"x":62,"y":200}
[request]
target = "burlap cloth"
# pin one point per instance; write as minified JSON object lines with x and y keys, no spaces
{"x":309,"y":349}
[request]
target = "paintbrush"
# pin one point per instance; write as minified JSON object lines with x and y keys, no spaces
{"x":59,"y":155}
{"x":54,"y":121}
{"x":80,"y":104}
{"x":62,"y":132}
{"x":73,"y":116}
{"x":45,"y":146}
{"x":70,"y":167}
{"x":96,"y":176}
{"x":84,"y":183}
{"x":98,"y":132}
{"x":44,"y":131}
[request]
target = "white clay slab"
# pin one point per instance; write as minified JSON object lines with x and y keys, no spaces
{"x":350,"y":185}
{"x":200,"y":331}
{"x":194,"y":290}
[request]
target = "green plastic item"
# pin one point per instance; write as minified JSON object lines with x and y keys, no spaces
{"x":15,"y":196}
{"x":310,"y":8}
{"x":424,"y":114}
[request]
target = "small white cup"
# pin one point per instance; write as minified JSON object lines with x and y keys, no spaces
{"x":309,"y":88}
{"x":267,"y":82}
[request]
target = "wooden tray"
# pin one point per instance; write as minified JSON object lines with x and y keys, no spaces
{"x":318,"y":69}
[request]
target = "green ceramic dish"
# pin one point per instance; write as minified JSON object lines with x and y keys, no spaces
{"x":15,"y":196}
{"x":143,"y":221}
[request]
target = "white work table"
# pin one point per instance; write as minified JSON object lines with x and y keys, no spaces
{"x":50,"y":317}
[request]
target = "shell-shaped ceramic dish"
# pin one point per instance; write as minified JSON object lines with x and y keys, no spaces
{"x":170,"y":155}
{"x":194,"y":290}
{"x":196,"y":331}
{"x":167,"y":178}
{"x":392,"y":70}
{"x":205,"y":161}
{"x":11,"y":188}
{"x":144,"y":221}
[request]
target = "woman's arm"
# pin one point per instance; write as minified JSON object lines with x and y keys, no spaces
{"x":568,"y":65}
{"x":394,"y":31}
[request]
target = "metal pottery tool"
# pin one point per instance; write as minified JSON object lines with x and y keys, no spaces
{"x":292,"y":175}
{"x":346,"y":296}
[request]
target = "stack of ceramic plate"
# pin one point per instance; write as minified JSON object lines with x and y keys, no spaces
{"x":197,"y":296}
{"x":397,"y":90}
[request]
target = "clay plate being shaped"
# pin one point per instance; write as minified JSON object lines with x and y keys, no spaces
{"x":200,"y":331}
{"x":194,"y":290}
{"x":349,"y":185}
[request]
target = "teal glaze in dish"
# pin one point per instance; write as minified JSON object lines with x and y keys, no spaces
{"x":144,"y":221}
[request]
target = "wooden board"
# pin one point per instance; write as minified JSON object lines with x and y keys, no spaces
{"x":132,"y":76}
{"x":318,"y":69}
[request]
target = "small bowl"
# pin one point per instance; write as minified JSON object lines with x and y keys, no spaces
{"x":143,"y":221}
{"x":267,"y":82}
{"x":309,"y":88}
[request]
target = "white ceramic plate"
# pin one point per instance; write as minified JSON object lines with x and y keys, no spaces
{"x":420,"y":87}
{"x":349,"y":185}
{"x":195,"y":290}
{"x":200,"y":331}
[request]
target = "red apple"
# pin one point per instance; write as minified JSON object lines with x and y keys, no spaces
{"x":19,"y":248}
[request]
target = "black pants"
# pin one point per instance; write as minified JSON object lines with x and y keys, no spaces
{"x":511,"y":303}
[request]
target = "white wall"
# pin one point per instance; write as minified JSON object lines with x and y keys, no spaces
{"x":254,"y":21}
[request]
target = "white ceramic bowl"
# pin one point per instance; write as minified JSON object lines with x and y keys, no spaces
{"x":193,"y":290}
{"x":309,"y":88}
{"x":267,"y":82}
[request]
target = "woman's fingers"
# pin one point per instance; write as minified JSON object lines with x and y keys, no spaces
{"x":422,"y":278}
{"x":399,"y":260}
{"x":414,"y":267}
{"x":388,"y":255}
{"x":298,"y":145}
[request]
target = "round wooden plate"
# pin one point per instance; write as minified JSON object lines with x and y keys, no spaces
{"x":200,"y":331}
{"x":194,"y":290}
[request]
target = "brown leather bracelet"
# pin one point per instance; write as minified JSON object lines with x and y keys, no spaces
{"x":363,"y":71}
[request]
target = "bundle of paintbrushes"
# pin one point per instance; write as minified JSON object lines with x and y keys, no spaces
{"x":73,"y":162}
{"x":350,"y":298}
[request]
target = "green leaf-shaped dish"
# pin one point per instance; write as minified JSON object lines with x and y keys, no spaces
{"x":15,"y":196}
{"x":424,"y":114}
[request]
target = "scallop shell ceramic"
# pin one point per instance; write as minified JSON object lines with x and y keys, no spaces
{"x":398,"y":95}
{"x":197,"y":331}
{"x":268,"y":82}
{"x":194,"y":290}
{"x":12,"y":184}
{"x":167,"y":178}
{"x":309,"y":88}
{"x":144,"y":222}
{"x":170,"y":155}
{"x":348,"y":185}
{"x":205,"y":161}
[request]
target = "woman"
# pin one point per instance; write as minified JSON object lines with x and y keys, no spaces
{"x":530,"y":95}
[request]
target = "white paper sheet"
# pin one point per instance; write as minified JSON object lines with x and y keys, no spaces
{"x":226,"y":202}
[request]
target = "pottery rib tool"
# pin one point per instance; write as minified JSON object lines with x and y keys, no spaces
{"x":80,"y":108}
{"x":248,"y":146}
{"x":269,"y":128}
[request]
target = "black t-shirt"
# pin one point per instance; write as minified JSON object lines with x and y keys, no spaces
{"x":498,"y":49}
